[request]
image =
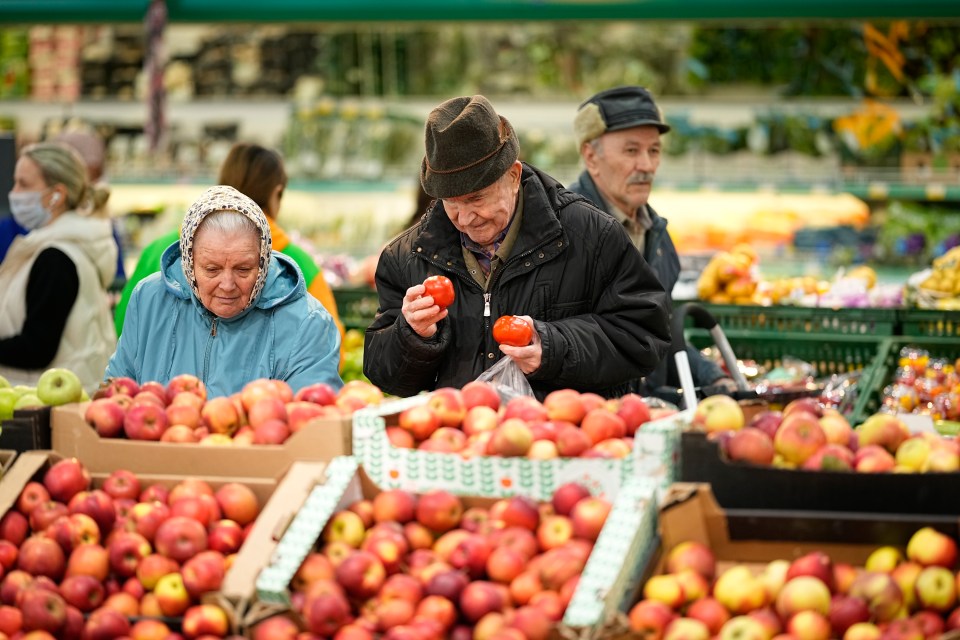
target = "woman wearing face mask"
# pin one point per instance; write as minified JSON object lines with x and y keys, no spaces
{"x":54,"y":310}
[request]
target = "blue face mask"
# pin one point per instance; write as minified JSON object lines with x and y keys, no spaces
{"x":28,"y":210}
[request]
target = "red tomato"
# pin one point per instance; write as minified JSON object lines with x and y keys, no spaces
{"x":441,"y":290}
{"x":513,"y":331}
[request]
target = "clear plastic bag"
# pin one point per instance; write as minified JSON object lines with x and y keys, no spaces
{"x":508,"y":379}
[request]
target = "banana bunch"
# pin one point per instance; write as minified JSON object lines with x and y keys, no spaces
{"x":944,"y":278}
{"x":730,"y":277}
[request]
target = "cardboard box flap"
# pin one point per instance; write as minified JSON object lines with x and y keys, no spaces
{"x":691,"y":512}
{"x":287,"y":499}
{"x":629,"y":534}
{"x":24,"y":468}
{"x":273,"y":582}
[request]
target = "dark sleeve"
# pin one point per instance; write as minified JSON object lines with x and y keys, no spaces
{"x":52,"y":289}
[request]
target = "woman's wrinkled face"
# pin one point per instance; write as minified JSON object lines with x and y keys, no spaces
{"x":226,"y":269}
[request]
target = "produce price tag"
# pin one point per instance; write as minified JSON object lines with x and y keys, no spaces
{"x":918,"y":423}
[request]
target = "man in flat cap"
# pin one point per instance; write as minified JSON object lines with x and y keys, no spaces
{"x":514,"y":242}
{"x":618,"y":131}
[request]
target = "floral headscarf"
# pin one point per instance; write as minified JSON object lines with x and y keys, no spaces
{"x":224,"y":198}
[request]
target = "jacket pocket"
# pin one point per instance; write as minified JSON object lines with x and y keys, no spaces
{"x":561,"y":310}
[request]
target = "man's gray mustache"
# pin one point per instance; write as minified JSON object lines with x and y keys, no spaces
{"x":640,"y":178}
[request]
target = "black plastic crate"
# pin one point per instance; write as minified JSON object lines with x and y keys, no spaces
{"x":28,"y":430}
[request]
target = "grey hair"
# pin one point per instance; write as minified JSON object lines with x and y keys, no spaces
{"x":597,"y":144}
{"x":226,"y":222}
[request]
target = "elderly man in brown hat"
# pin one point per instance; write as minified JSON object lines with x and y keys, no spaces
{"x":618,"y":131}
{"x":514,"y":242}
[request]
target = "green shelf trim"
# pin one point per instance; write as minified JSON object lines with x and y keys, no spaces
{"x":63,"y":11}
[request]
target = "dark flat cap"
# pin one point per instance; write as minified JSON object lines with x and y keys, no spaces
{"x":468,"y":147}
{"x":616,"y":109}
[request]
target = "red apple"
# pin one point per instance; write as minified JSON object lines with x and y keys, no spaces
{"x":89,"y":559}
{"x":205,"y":620}
{"x":122,"y":483}
{"x":750,"y":445}
{"x":203,"y":573}
{"x":186,"y":383}
{"x":86,"y":593}
{"x":42,"y":610}
{"x":66,"y":478}
{"x":588,"y":517}
{"x":41,"y":556}
{"x":180,"y":538}
{"x":479,"y":393}
{"x":361,"y":574}
{"x":439,"y":510}
{"x":238,"y":502}
{"x":106,"y":416}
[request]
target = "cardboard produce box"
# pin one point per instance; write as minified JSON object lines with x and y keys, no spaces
{"x":609,"y":578}
{"x":7,"y":458}
{"x":279,"y":498}
{"x":27,"y":430}
{"x":691,"y":512}
{"x":746,"y":486}
{"x":322,"y":440}
{"x":655,"y":449}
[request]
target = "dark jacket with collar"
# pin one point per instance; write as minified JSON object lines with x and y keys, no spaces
{"x":661,"y":255}
{"x":600,"y":312}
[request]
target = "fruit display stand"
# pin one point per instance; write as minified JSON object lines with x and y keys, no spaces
{"x":29,"y":429}
{"x":33,"y":465}
{"x":356,"y":306}
{"x":609,"y":579}
{"x":321,"y":440}
{"x":937,"y":346}
{"x":655,"y":446}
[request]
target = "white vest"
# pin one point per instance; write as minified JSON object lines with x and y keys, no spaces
{"x":89,"y":338}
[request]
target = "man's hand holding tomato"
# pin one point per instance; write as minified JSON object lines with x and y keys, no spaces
{"x":527,"y":357}
{"x":424,"y":305}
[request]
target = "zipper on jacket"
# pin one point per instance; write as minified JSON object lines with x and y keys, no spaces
{"x":486,"y":305}
{"x":213,"y":328}
{"x":206,"y":355}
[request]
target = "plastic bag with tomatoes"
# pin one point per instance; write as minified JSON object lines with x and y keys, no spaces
{"x":508,"y":379}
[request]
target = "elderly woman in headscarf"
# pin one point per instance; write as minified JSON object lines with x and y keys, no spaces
{"x":226,"y":308}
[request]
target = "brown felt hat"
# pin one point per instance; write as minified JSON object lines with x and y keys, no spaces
{"x":468,"y":147}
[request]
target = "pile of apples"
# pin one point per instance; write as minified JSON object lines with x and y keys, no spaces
{"x":263,"y":412}
{"x":402,"y":566}
{"x":80,"y":562}
{"x":473,"y":422}
{"x":805,"y":435}
{"x":894,"y":596}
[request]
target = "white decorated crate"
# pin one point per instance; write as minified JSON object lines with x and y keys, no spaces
{"x":654,"y":456}
{"x":609,"y":579}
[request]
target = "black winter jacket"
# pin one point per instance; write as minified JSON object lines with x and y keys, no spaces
{"x":660,"y":253}
{"x":600,"y":312}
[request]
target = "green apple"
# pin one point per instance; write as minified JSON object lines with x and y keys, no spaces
{"x":7,"y":399}
{"x":59,"y":386}
{"x":4,"y":383}
{"x":27,"y":401}
{"x":84,"y":396}
{"x":22,"y":389}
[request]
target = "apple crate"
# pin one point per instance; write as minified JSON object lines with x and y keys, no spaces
{"x":740,"y":485}
{"x":278,"y":497}
{"x":28,"y":430}
{"x":654,"y":456}
{"x":609,"y":579}
{"x":752,"y":537}
{"x":871,"y":400}
{"x":323,"y":440}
